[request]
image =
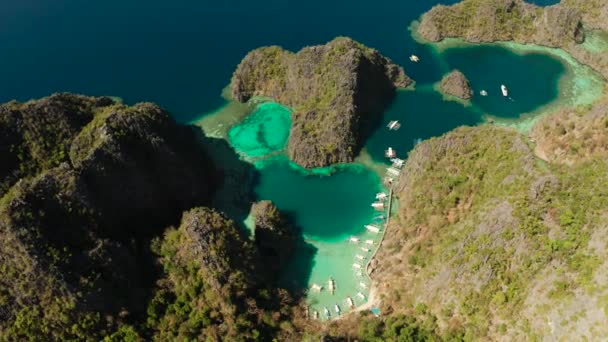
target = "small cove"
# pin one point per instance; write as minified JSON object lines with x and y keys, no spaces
{"x":329,"y":205}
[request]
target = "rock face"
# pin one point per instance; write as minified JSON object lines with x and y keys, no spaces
{"x":99,"y":179}
{"x":456,"y":84}
{"x":274,"y":236}
{"x":335,"y":90}
{"x":559,"y":26}
{"x":503,"y":20}
{"x":474,"y":208}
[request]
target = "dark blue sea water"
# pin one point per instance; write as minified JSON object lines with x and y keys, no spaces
{"x":179,"y":54}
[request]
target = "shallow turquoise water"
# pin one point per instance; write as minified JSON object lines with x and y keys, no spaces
{"x":264,"y":131}
{"x":328,"y":208}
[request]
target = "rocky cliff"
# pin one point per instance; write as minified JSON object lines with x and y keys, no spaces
{"x":99,"y":179}
{"x":456,"y":84}
{"x":503,"y":20}
{"x":337,"y":91}
{"x":489,"y":241}
{"x":559,"y":26}
{"x":274,"y":236}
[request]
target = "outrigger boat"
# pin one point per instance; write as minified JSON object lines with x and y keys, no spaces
{"x":505,"y":91}
{"x":350,"y":302}
{"x":393,"y":125}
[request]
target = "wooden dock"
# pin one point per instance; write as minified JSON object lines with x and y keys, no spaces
{"x":388,"y":220}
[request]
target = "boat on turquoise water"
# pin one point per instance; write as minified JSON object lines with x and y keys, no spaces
{"x":337,"y":308}
{"x":357,"y":266}
{"x":332,"y":285}
{"x":359,"y":256}
{"x":350,"y":302}
{"x":316,"y":287}
{"x":360,"y":295}
{"x":326,"y":312}
{"x":366,"y":250}
{"x":414,"y":58}
{"x":378,"y":205}
{"x":353,"y":239}
{"x":316,"y":314}
{"x":372,"y":229}
{"x":483,"y":93}
{"x":369,"y":242}
{"x":504,"y":90}
{"x":381,"y":196}
{"x":398,"y":163}
{"x":362,"y":284}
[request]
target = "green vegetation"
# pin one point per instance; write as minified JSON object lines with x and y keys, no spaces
{"x":500,"y":20}
{"x":485,"y":223}
{"x":320,"y":84}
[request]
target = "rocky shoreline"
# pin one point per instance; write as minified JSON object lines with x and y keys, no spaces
{"x":558,"y":26}
{"x":337,"y":91}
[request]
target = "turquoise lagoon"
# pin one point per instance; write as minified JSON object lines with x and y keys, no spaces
{"x":181,"y":55}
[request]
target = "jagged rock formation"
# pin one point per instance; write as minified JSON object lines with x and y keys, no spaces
{"x":503,"y":20}
{"x":211,"y":278}
{"x":336,"y":90}
{"x":490,"y":242}
{"x":456,"y":84}
{"x":274,"y":236}
{"x":559,"y":26}
{"x":74,"y":236}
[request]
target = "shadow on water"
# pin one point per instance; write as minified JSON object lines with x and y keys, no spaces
{"x":423,"y":114}
{"x":237,"y":180}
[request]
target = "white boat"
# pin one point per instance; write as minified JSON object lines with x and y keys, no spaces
{"x":360,"y":295}
{"x":357,"y":266}
{"x":365,"y":249}
{"x":337,"y":308}
{"x":359,"y":274}
{"x":381,"y":196}
{"x":316,"y":314}
{"x":397,"y":162}
{"x":390,"y":153}
{"x":483,"y":93}
{"x":393,"y":171}
{"x":393,"y":125}
{"x":505,"y":91}
{"x":353,"y":239}
{"x":372,"y":229}
{"x":326,"y":311}
{"x":414,"y":58}
{"x":378,"y":205}
{"x":350,"y":302}
{"x":369,"y":242}
{"x":363,"y":285}
{"x":316,"y":287}
{"x":359,"y":256}
{"x":332,"y":285}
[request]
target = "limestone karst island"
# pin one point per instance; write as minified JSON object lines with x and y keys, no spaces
{"x":304,"y":171}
